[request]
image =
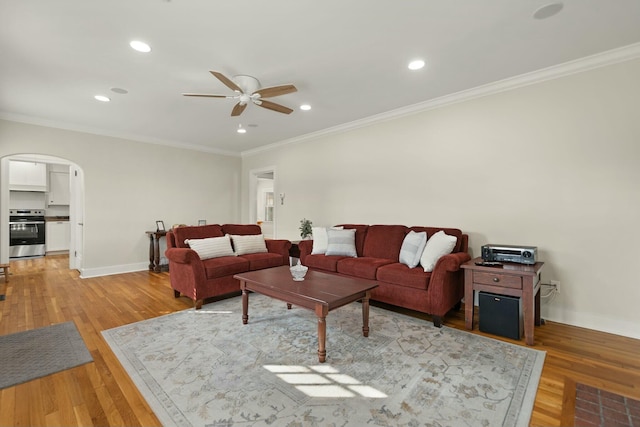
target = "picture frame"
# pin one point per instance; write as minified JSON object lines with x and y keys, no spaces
{"x":160,"y":226}
{"x":202,"y":222}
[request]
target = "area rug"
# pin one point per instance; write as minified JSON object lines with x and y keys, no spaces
{"x":205,"y":368}
{"x":25,"y":356}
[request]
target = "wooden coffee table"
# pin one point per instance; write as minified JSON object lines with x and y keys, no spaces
{"x":320,"y":292}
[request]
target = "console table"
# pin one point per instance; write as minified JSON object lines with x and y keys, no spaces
{"x":154,"y":250}
{"x":517,"y":280}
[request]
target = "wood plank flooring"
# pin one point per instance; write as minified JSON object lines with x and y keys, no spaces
{"x":44,"y":291}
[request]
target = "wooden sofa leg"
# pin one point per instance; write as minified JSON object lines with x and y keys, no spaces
{"x":198,"y":304}
{"x":437,"y":321}
{"x":176,"y":294}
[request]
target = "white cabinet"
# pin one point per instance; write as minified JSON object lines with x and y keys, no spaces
{"x":58,"y":188}
{"x":27,"y":176}
{"x":58,"y":236}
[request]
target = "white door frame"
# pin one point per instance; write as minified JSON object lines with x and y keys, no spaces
{"x":76,"y":202}
{"x":253,"y":196}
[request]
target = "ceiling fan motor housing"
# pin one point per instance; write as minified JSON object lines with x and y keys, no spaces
{"x":248,"y":84}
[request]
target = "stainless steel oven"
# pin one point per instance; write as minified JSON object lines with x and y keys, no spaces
{"x":26,"y":233}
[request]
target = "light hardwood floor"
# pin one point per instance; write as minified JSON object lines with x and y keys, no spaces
{"x":44,"y":291}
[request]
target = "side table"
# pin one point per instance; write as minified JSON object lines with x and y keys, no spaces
{"x":517,"y":280}
{"x":154,"y":250}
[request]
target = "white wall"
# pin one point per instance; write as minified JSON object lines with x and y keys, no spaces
{"x":554,"y":165}
{"x":129,"y":185}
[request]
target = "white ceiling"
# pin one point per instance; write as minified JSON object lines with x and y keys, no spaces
{"x":348,"y":59}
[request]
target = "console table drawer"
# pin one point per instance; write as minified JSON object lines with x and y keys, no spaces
{"x":503,"y":280}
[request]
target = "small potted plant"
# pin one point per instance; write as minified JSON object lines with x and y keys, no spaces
{"x":305,"y":228}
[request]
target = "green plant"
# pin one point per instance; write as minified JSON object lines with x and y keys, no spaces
{"x":305,"y":228}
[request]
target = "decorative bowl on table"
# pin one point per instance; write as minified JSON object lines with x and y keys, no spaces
{"x":298,"y":271}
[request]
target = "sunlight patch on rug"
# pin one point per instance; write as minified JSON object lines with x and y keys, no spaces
{"x":203,"y":367}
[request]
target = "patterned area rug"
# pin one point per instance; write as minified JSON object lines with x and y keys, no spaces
{"x":25,"y":356}
{"x":204,"y":368}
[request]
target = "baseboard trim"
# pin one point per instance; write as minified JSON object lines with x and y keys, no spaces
{"x":86,"y":273}
{"x":591,"y":321}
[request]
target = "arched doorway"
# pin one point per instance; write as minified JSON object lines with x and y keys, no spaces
{"x":14,"y":200}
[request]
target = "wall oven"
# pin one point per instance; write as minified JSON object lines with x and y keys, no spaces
{"x":26,"y":233}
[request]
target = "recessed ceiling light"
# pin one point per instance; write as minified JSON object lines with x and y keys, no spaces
{"x":140,"y":46}
{"x":241,"y":129}
{"x":416,"y":64}
{"x":547,"y":11}
{"x":119,"y":90}
{"x":305,"y":107}
{"x":102,"y":98}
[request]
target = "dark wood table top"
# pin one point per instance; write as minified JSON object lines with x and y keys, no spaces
{"x":317,"y":287}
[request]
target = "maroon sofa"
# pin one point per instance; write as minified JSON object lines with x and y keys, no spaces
{"x":199,"y":279}
{"x":378,"y":249}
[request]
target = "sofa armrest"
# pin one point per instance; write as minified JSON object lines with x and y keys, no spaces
{"x":452,"y":262}
{"x":305,"y":247}
{"x":446,"y":286}
{"x":281,"y":247}
{"x":182,"y":255}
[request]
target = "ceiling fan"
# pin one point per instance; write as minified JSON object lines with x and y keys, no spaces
{"x":247,"y":90}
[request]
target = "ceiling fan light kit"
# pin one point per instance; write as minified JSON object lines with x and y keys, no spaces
{"x":248,"y":90}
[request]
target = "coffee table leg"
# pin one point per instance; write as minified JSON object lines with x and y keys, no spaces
{"x":321,"y":312}
{"x":245,"y":305}
{"x":365,"y":315}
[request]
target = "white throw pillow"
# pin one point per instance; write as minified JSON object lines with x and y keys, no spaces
{"x":249,"y":244}
{"x":211,"y":247}
{"x":342,"y":242}
{"x":438,"y":245}
{"x":321,"y":239}
{"x":412,"y":248}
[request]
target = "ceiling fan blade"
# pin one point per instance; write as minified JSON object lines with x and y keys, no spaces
{"x":275,"y":107}
{"x":268,"y":92}
{"x":238,"y":109}
{"x":227,"y":82}
{"x":207,"y":95}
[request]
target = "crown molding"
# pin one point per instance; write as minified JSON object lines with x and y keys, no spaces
{"x":610,"y":57}
{"x":102,"y":132}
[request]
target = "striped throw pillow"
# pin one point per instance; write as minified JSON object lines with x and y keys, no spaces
{"x":211,"y":247}
{"x":412,"y":248}
{"x":249,"y":244}
{"x":342,"y":242}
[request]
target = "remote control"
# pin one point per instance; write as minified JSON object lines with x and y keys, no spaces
{"x":489,"y":263}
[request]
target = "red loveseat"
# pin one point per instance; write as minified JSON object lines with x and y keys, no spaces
{"x":378,"y":248}
{"x":199,"y":279}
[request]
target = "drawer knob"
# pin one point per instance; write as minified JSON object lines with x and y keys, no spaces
{"x":496,"y":279}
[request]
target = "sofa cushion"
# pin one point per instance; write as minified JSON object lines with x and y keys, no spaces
{"x":224,"y":266}
{"x":401,"y":275}
{"x":258,"y":261}
{"x":320,"y":239}
{"x":211,"y":247}
{"x":384,"y":241}
{"x":438,"y":245}
{"x":248,"y":244}
{"x":412,"y":248}
{"x":364,"y":267}
{"x":196,"y":232}
{"x":323,"y":262}
{"x":341,"y":242}
{"x":241,"y":229}
{"x":361,"y":233}
{"x":450,"y":231}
